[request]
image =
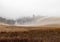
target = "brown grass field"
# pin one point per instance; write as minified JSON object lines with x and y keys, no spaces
{"x":29,"y":34}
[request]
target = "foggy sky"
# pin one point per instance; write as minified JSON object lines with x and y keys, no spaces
{"x":19,"y":8}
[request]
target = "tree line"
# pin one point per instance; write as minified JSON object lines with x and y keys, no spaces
{"x":22,"y":20}
{"x":7,"y":21}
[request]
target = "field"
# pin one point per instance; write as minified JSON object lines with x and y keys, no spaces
{"x":29,"y":34}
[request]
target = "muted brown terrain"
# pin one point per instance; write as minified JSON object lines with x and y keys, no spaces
{"x":29,"y":34}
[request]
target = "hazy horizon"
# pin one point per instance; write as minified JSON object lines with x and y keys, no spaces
{"x":19,"y":8}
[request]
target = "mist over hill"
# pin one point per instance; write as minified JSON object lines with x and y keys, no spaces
{"x":20,"y":21}
{"x":7,"y":21}
{"x":32,"y":21}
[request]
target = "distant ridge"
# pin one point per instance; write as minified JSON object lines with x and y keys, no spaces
{"x":36,"y":21}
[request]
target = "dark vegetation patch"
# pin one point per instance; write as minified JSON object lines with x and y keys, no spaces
{"x":31,"y":36}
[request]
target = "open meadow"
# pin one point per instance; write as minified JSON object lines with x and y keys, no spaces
{"x":29,"y":34}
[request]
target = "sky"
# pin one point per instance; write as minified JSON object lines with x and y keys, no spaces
{"x":19,"y":8}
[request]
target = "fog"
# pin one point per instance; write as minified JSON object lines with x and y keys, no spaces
{"x":19,"y":8}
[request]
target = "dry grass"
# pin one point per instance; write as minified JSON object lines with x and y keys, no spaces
{"x":29,"y":33}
